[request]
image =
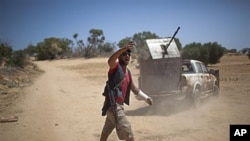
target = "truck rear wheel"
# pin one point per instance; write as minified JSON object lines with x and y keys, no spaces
{"x":216,"y":91}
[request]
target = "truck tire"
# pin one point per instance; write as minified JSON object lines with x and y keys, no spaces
{"x":216,"y":91}
{"x":196,"y":98}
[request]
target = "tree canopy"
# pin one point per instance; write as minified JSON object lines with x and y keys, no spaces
{"x":9,"y":57}
{"x":141,"y":49}
{"x":53,"y":47}
{"x":209,"y":53}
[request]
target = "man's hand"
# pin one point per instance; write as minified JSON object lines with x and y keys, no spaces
{"x":130,"y":45}
{"x":149,"y":101}
{"x":142,"y":96}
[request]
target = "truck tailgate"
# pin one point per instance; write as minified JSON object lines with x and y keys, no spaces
{"x":160,"y":75}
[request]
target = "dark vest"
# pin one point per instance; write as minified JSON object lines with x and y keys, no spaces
{"x":115,"y":81}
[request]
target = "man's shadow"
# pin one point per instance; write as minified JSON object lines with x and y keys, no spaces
{"x":165,"y":105}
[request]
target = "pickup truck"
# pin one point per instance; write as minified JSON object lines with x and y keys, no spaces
{"x":187,"y":79}
{"x":170,"y":74}
{"x":197,"y":82}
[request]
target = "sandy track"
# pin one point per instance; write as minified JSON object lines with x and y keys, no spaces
{"x":58,"y":106}
{"x":64,"y":104}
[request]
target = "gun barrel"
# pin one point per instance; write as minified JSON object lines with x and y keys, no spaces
{"x":173,"y":36}
{"x":166,"y":47}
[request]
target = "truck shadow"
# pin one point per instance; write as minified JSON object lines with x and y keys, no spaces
{"x":167,"y":105}
{"x":163,"y":106}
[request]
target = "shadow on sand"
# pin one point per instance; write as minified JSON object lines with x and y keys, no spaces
{"x":165,"y":105}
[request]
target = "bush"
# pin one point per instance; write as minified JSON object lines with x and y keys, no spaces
{"x":208,"y":53}
{"x":12,"y":58}
{"x":5,"y":52}
{"x":18,"y":59}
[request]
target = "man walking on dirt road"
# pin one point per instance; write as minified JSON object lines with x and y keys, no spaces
{"x":117,"y":92}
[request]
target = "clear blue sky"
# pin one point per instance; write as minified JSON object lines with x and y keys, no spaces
{"x":227,"y":22}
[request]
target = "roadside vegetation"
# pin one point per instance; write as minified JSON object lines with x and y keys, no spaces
{"x":95,"y":46}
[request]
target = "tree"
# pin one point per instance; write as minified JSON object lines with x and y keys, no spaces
{"x":232,"y":51}
{"x":141,"y":48}
{"x":52,"y":48}
{"x":5,"y":51}
{"x":107,"y":48}
{"x":8,"y":57}
{"x":30,"y":50}
{"x":195,"y":51}
{"x":96,"y":37}
{"x":209,"y":53}
{"x":42,"y":51}
{"x":215,"y":52}
{"x":178,"y":43}
{"x":66,"y":45}
{"x":80,"y":45}
{"x":95,"y":41}
{"x":124,"y":41}
{"x":75,"y":36}
{"x":18,"y":59}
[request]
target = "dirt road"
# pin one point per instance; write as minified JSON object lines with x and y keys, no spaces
{"x":64,"y":104}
